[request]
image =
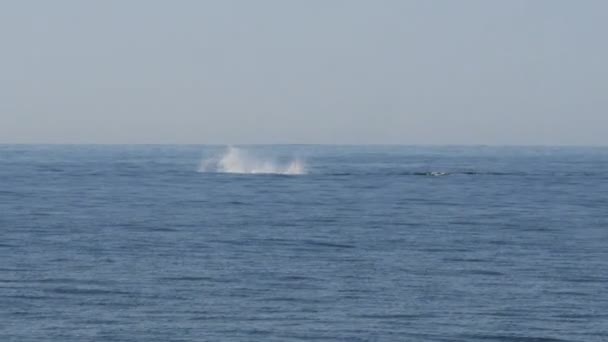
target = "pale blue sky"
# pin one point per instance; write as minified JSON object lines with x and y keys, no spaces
{"x":307,"y":71}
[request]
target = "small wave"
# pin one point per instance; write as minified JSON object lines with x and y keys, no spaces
{"x":398,"y":173}
{"x":428,"y":173}
{"x":236,"y":160}
{"x":432,"y":173}
{"x":328,"y":244}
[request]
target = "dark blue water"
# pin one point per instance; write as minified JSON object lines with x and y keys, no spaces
{"x":132,"y":243}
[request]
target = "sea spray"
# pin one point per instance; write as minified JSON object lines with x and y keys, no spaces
{"x":236,"y":160}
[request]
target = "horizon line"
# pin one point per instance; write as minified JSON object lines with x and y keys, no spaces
{"x":301,"y":144}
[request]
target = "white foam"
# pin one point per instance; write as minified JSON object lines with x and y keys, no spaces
{"x":236,"y":160}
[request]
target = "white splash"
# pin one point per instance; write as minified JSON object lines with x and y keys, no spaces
{"x":236,"y":160}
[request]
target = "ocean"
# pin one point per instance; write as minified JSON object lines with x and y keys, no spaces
{"x":303,"y":243}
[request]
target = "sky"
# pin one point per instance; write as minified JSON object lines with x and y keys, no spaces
{"x":441,"y":72}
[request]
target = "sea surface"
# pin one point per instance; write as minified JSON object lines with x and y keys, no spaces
{"x":303,"y":243}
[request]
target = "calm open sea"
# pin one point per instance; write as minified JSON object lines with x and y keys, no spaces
{"x":303,"y":243}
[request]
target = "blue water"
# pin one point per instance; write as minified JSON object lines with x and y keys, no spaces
{"x":136,"y":243}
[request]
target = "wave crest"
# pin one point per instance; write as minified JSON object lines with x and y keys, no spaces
{"x":236,"y":160}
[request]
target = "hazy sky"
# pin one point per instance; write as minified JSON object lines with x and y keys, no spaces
{"x":306,"y":71}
